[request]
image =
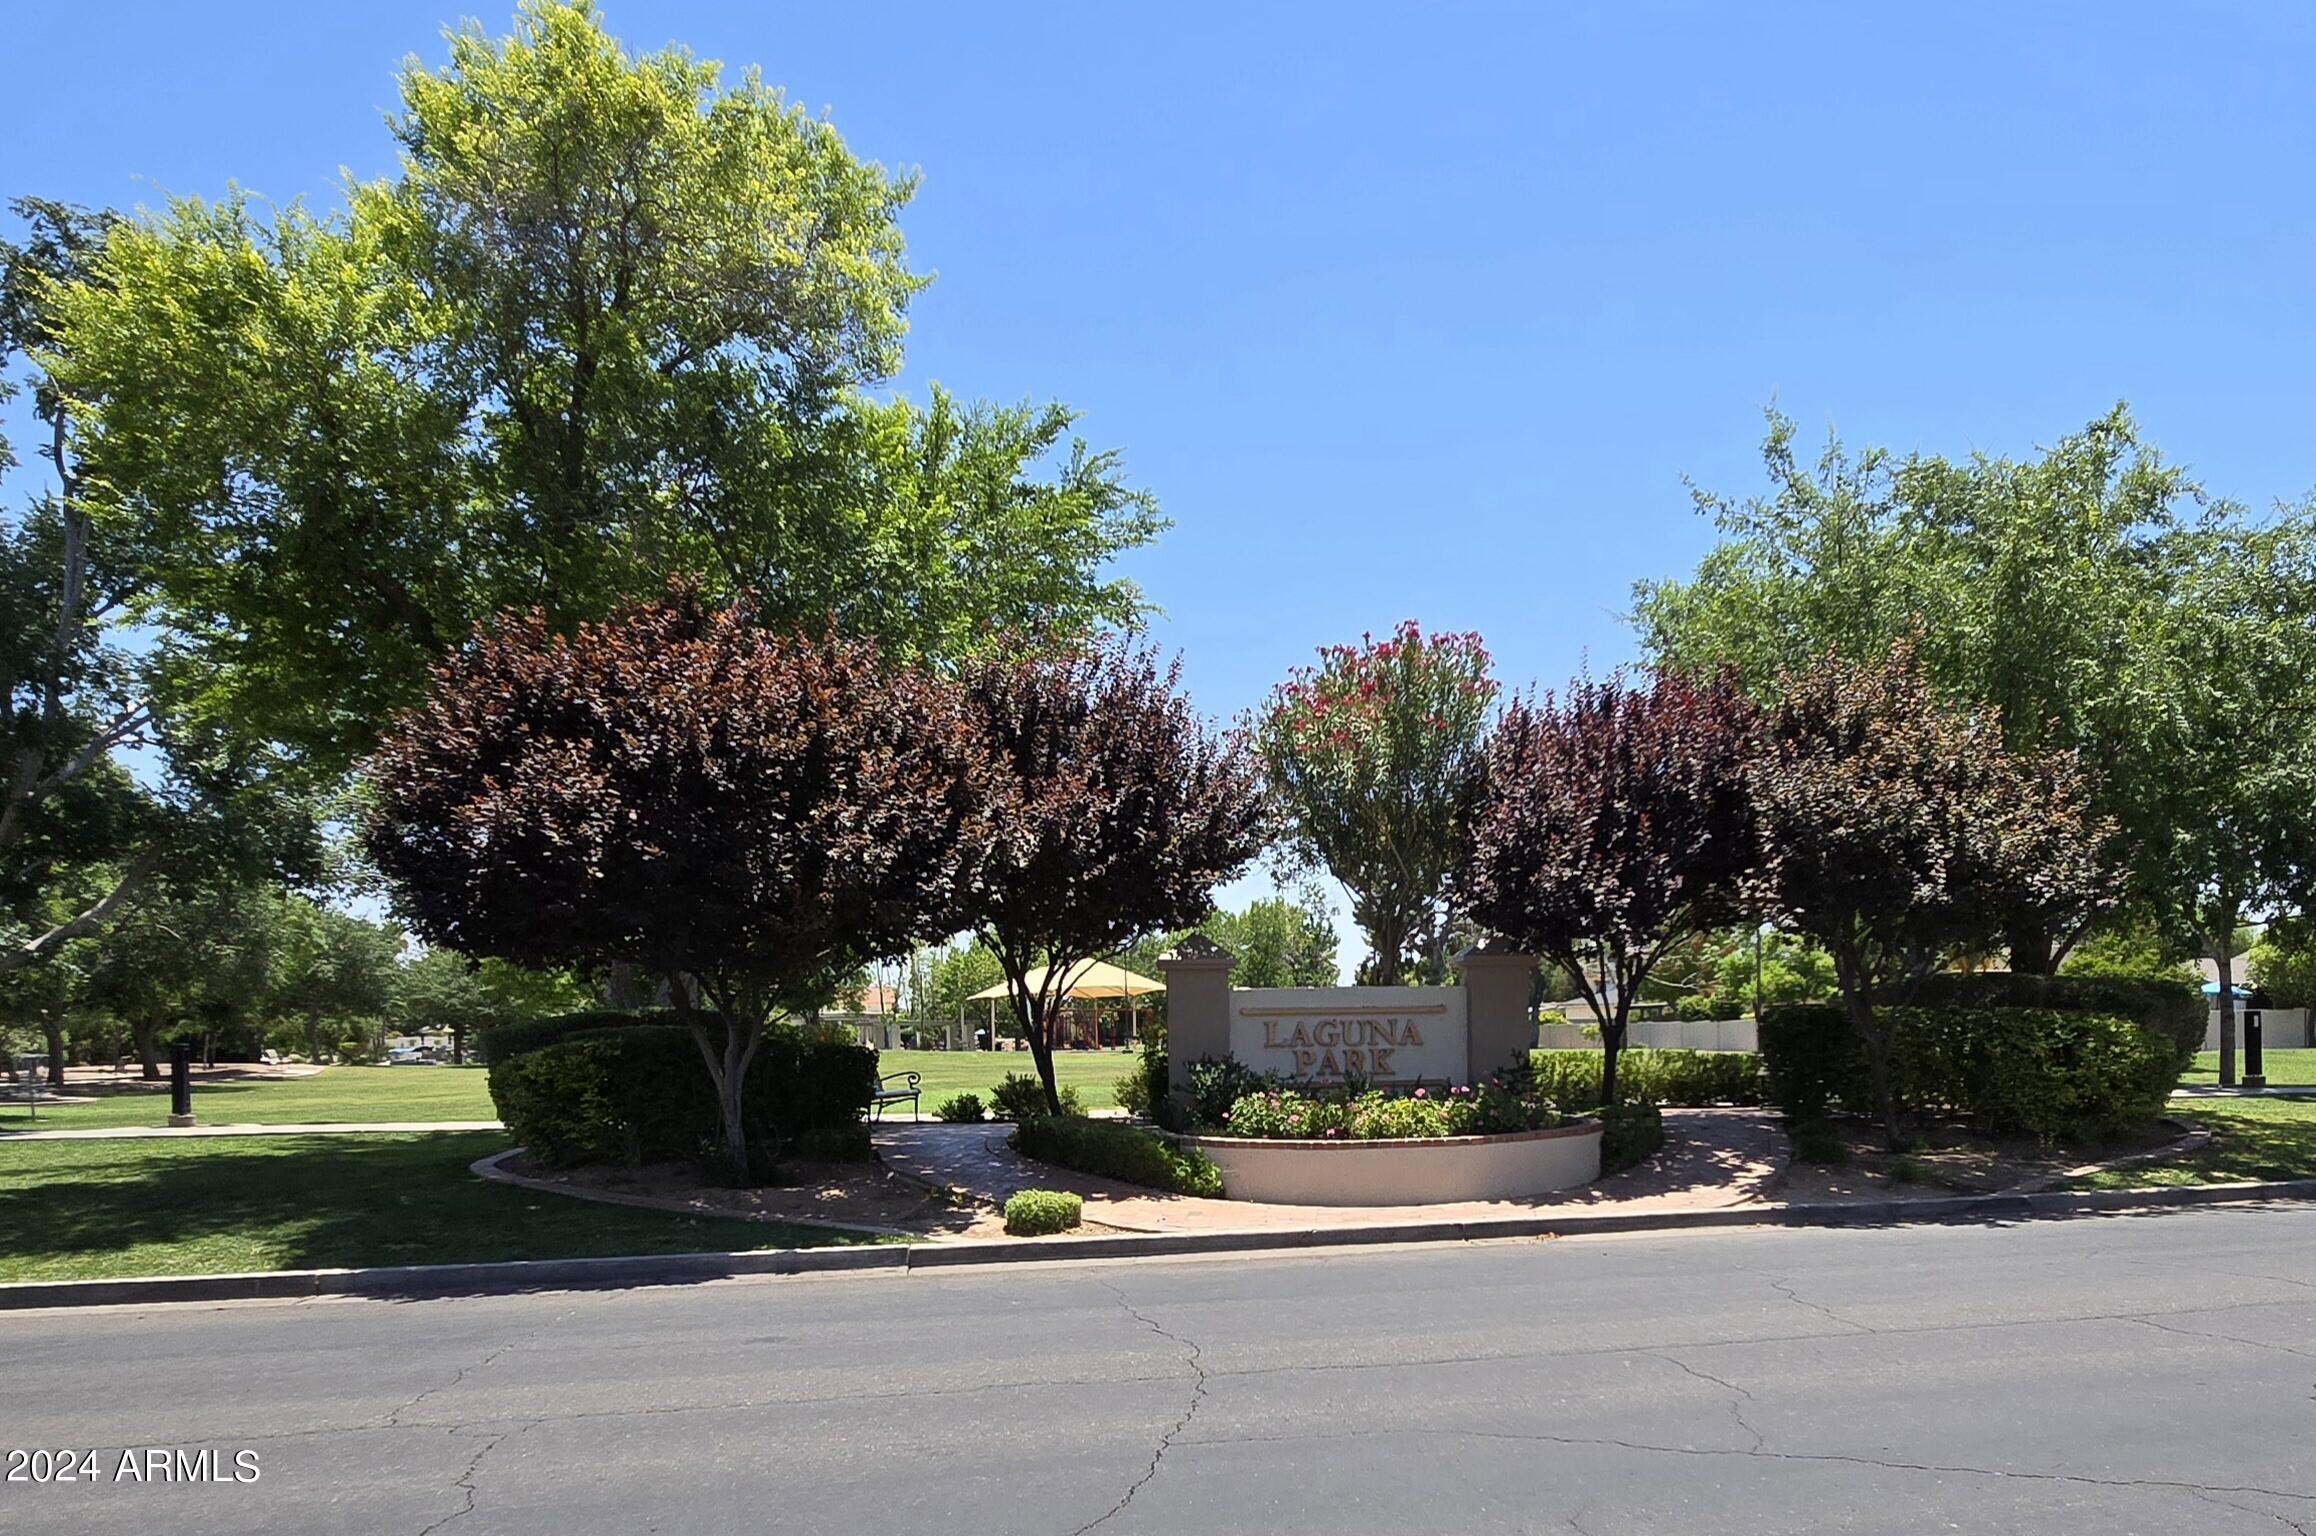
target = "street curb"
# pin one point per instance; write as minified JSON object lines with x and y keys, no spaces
{"x":415,"y":1281}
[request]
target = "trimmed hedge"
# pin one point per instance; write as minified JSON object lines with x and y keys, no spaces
{"x":1036,"y":1212}
{"x":515,"y":1037}
{"x":639,"y":1092}
{"x":1112,"y":1150}
{"x":2174,"y":1010}
{"x":1571,"y":1079}
{"x":2044,"y":1071}
{"x":1020,"y":1096}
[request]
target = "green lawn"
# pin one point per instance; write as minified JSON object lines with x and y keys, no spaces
{"x":392,"y":1095}
{"x":2252,"y":1140}
{"x":2284,"y":1068}
{"x":1095,"y":1074}
{"x":83,"y":1210}
{"x":338,"y":1095}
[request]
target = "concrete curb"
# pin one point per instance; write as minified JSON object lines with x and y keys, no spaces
{"x":415,"y":1281}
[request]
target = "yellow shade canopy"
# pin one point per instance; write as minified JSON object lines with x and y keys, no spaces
{"x":1094,"y":978}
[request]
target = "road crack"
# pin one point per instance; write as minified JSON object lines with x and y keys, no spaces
{"x":1190,"y":1358}
{"x":1738,"y":1396}
{"x":464,"y":1486}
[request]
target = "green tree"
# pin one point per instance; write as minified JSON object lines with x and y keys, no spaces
{"x":1280,"y":941}
{"x":614,"y":317}
{"x":1374,"y":755}
{"x":2284,"y":963}
{"x":1895,"y":830}
{"x":2224,"y":751}
{"x":438,"y":992}
{"x":2028,"y":587}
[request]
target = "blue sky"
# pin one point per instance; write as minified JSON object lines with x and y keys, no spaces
{"x":1424,"y":312}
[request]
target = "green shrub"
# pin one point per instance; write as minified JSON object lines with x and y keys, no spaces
{"x":1111,"y":1149}
{"x":639,"y":1093}
{"x":2044,"y":1071}
{"x":1630,"y":1134}
{"x":1806,"y":1053}
{"x":1571,"y":1079}
{"x":1021,"y":1097}
{"x":1493,"y":1109}
{"x":1218,"y":1082}
{"x":504,"y":1042}
{"x":960,"y":1109}
{"x":1036,"y":1212}
{"x":2173,"y":1010}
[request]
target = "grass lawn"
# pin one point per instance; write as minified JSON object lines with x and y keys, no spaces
{"x":84,"y":1210}
{"x":2284,"y":1068}
{"x":2252,"y":1139}
{"x":1095,"y":1074}
{"x":388,"y":1095}
{"x":338,"y":1095}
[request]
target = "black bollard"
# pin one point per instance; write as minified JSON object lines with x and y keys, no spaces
{"x":181,"y":1083}
{"x":2255,"y":1075}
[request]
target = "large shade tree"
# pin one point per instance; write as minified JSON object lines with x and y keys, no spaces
{"x":2031,"y":585}
{"x":1374,"y":755}
{"x":614,"y":315}
{"x":749,"y":818}
{"x":1615,"y":824}
{"x":1114,"y":812}
{"x":1896,"y":830}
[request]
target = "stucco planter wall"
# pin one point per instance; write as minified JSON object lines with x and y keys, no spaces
{"x":1428,"y":1172}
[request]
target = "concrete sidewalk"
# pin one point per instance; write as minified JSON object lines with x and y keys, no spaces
{"x":339,"y":1128}
{"x":1713,"y":1159}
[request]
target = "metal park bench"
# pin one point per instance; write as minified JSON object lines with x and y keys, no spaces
{"x":887,"y":1094}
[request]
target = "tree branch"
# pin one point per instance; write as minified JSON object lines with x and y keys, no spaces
{"x":87,"y":922}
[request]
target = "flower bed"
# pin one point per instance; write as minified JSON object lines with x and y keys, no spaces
{"x":1492,"y":1109}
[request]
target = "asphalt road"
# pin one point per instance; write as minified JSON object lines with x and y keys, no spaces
{"x":2152,"y":1373}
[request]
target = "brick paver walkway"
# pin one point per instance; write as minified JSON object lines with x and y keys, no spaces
{"x":1713,"y":1158}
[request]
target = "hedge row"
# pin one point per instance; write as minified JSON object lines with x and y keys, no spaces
{"x":2044,"y":1071}
{"x":1571,"y":1079}
{"x":1112,"y":1150}
{"x":638,"y":1092}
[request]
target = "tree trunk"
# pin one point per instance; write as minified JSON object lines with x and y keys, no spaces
{"x":1877,"y":1044}
{"x":625,"y":987}
{"x":55,"y":1033}
{"x":728,"y":1060}
{"x":1611,"y":1048}
{"x":1041,"y":1052}
{"x":2033,"y":950}
{"x":148,"y":1048}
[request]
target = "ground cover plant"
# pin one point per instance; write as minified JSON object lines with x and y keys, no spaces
{"x":1111,"y":1149}
{"x":84,"y":1210}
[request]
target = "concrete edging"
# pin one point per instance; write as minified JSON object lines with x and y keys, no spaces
{"x":437,"y":1280}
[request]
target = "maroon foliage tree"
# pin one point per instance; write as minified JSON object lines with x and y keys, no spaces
{"x":1897,"y":831}
{"x":1115,"y":814}
{"x":747,"y":817}
{"x":1614,"y":823}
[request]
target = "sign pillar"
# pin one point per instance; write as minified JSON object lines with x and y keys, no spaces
{"x":1502,"y":990}
{"x":1197,"y":976}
